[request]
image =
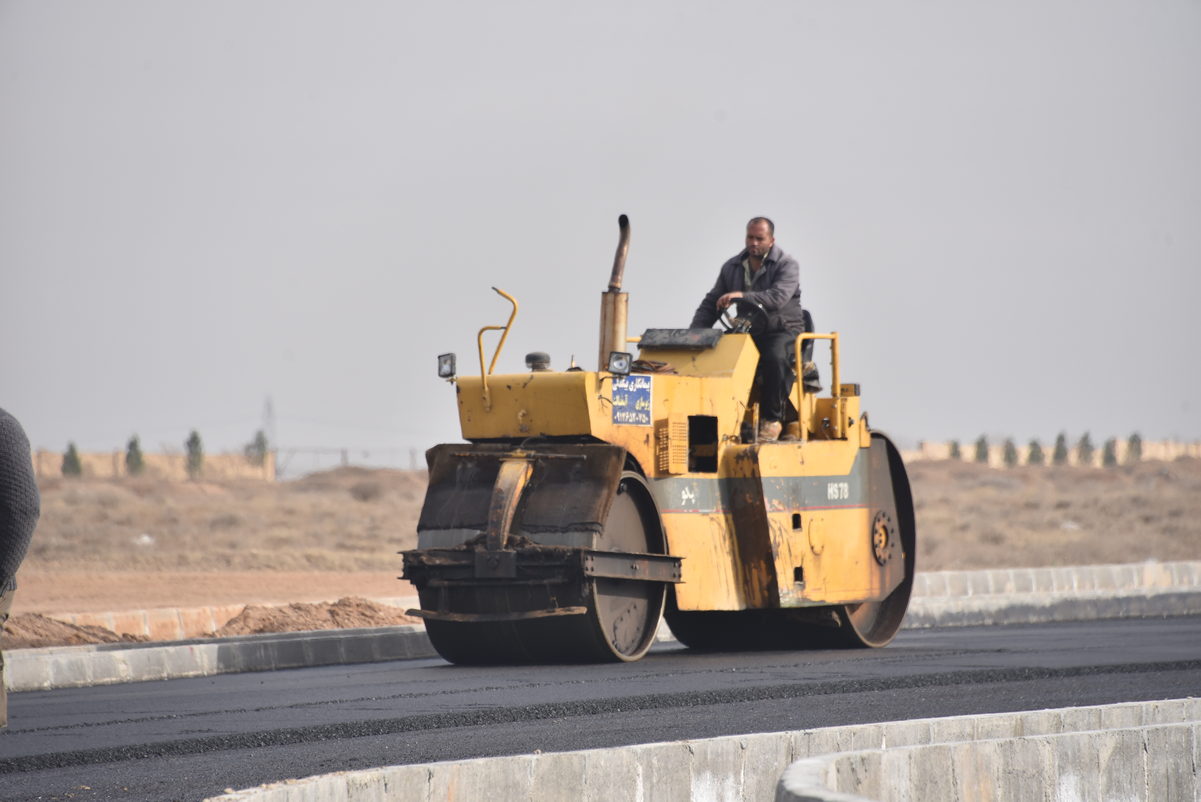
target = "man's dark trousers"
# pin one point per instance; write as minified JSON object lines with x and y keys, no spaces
{"x":775,"y":371}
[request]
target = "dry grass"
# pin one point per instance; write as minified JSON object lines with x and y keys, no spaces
{"x":972,"y":516}
{"x":349,"y":519}
{"x":352,"y":519}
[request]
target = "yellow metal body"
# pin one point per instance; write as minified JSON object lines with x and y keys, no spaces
{"x":782,"y":524}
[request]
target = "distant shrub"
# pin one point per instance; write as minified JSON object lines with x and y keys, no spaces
{"x":195,"y":451}
{"x":955,"y":452}
{"x":1060,"y":455}
{"x":227,"y":520}
{"x":982,"y":450}
{"x":134,"y":463}
{"x":1085,"y":450}
{"x":1109,"y":454}
{"x":1134,"y":449}
{"x":366,"y":491}
{"x":256,"y":449}
{"x":1036,"y":457}
{"x":71,"y":464}
{"x":1010,"y":453}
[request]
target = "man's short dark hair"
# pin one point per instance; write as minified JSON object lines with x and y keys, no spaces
{"x":771,"y":227}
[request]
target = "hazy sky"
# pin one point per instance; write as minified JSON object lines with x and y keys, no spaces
{"x":205,"y":204}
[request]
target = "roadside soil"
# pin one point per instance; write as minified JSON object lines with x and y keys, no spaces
{"x":128,"y":544}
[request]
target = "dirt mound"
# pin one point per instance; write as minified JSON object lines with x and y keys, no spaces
{"x":348,"y":613}
{"x":32,"y":631}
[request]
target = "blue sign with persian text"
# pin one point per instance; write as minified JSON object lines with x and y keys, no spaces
{"x":632,"y":400}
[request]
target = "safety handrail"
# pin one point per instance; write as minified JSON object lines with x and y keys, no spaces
{"x":479,"y":339}
{"x":835,"y":387}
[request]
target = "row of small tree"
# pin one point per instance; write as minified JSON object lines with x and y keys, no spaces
{"x":1084,"y":449}
{"x":135,"y":462}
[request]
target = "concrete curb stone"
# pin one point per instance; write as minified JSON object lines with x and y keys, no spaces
{"x":941,"y":758}
{"x":1150,"y":763}
{"x":945,"y":598}
{"x":103,"y":664}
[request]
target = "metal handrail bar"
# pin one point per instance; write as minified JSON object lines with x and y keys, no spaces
{"x":835,"y":387}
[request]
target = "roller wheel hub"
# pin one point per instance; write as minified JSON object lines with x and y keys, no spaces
{"x":882,"y":529}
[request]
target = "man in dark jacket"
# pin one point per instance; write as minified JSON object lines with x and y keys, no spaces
{"x":766,"y":275}
{"x":19,"y":509}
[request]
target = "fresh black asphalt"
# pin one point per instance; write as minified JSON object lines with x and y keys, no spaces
{"x":187,"y":739}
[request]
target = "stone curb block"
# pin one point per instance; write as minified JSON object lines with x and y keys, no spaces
{"x":1152,"y":760}
{"x":1147,"y":576}
{"x":1037,"y":608}
{"x":105,"y":664}
{"x":1143,"y":590}
{"x":745,"y":767}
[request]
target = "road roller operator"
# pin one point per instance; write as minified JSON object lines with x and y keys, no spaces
{"x":764,"y":274}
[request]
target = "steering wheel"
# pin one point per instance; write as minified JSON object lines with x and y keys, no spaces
{"x":743,"y":324}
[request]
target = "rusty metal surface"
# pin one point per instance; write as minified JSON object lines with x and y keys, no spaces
{"x":511,"y":479}
{"x":642,"y":567}
{"x":495,"y":564}
{"x":569,"y":487}
{"x":472,"y":562}
{"x":623,"y":250}
{"x":531,"y":563}
{"x":752,"y":530}
{"x":690,"y":339}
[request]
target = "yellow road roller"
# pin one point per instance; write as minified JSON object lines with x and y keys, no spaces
{"x":587,"y":505}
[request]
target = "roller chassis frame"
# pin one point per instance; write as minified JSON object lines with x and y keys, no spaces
{"x":527,"y":564}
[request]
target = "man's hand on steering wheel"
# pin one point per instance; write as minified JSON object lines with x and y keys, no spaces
{"x":747,"y":309}
{"x":724,"y":301}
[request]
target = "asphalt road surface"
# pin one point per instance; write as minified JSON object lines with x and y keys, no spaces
{"x":188,"y":739}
